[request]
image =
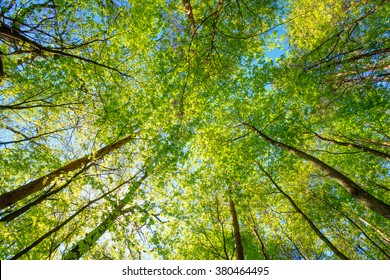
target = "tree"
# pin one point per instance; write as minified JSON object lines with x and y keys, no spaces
{"x":13,"y":196}
{"x":194,"y":129}
{"x":93,"y":236}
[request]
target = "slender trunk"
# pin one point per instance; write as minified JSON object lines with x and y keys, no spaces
{"x":90,"y":239}
{"x":281,"y":244}
{"x":368,"y":69}
{"x":256,"y":233}
{"x":214,"y":30}
{"x":218,"y":212}
{"x":13,"y":215}
{"x":10,"y":198}
{"x":354,"y":189}
{"x":385,"y":238}
{"x":263,"y":248}
{"x":190,"y":15}
{"x":356,"y":225}
{"x":305,"y":217}
{"x":57,"y":228}
{"x":236,"y":231}
{"x":288,"y":254}
{"x":356,"y":146}
{"x":2,"y":73}
{"x":361,"y":56}
{"x":212,"y":247}
{"x":64,"y":223}
{"x":299,"y":250}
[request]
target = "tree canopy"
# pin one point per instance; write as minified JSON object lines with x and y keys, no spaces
{"x":226,"y":129}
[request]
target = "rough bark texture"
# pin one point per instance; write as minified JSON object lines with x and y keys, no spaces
{"x":10,"y":198}
{"x":305,"y":217}
{"x":354,"y":189}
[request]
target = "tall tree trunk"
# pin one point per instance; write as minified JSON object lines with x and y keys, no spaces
{"x":354,"y":189}
{"x":256,"y":233}
{"x":90,"y":239}
{"x":263,"y":248}
{"x":57,"y":228}
{"x":221,"y":223}
{"x":190,"y":15}
{"x":304,"y":216}
{"x":236,"y":231}
{"x":2,"y":73}
{"x":13,"y":215}
{"x":297,"y":248}
{"x":353,"y":223}
{"x":10,"y":198}
{"x":64,"y":223}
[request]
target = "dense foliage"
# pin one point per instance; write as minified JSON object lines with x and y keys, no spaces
{"x":226,"y":129}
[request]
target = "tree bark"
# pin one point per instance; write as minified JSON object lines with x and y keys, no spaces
{"x":57,"y":228}
{"x":91,"y":238}
{"x":190,"y":15}
{"x":10,"y":198}
{"x":256,"y":233}
{"x":236,"y":231}
{"x":305,"y":217}
{"x":354,"y":189}
{"x":2,"y":73}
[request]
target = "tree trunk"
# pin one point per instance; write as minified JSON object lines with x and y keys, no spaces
{"x":263,"y":248}
{"x":93,"y":236}
{"x":190,"y":15}
{"x":306,"y":218}
{"x":355,"y":224}
{"x":236,"y":231}
{"x":385,"y":237}
{"x":10,"y":198}
{"x":297,"y":248}
{"x":13,"y":215}
{"x":256,"y":233}
{"x":57,"y":228}
{"x":354,"y":189}
{"x":64,"y":223}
